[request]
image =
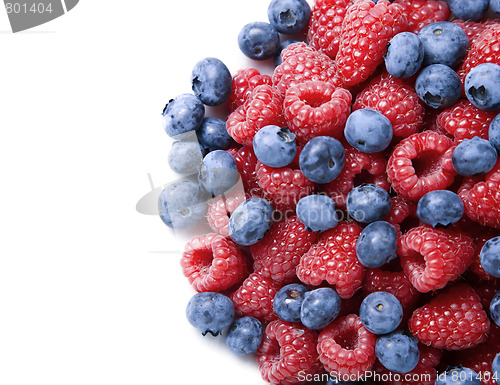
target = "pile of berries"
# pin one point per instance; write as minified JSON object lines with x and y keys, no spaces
{"x":354,"y":195}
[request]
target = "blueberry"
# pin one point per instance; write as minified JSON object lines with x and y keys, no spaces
{"x":438,"y":86}
{"x":259,"y":40}
{"x":490,"y":257}
{"x":277,"y":59}
{"x":481,"y":86}
{"x":218,"y":172}
{"x":317,"y":212}
{"x":444,"y":43}
{"x":495,"y":308}
{"x":182,"y":115}
{"x":404,"y":55}
{"x":210,"y":312}
{"x":212,"y":135}
{"x":474,"y":157}
{"x":322,"y":159}
{"x":397,"y":351}
{"x":244,"y":336}
{"x":377,"y":244}
{"x":319,"y":308}
{"x":185,"y":157}
{"x":495,"y":368}
{"x":182,"y":204}
{"x":440,"y":208}
{"x":368,"y":130}
{"x":211,"y":81}
{"x":458,"y":376}
{"x":288,"y":301}
{"x":381,"y":312}
{"x":368,"y":203}
{"x":468,"y":9}
{"x":495,"y":7}
{"x":275,"y":146}
{"x":494,"y":133}
{"x":250,"y":221}
{"x":289,"y":16}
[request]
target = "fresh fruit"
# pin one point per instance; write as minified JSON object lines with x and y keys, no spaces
{"x":250,"y":221}
{"x":368,"y":203}
{"x":438,"y":86}
{"x":211,"y":81}
{"x":182,"y":116}
{"x":377,"y":244}
{"x":288,"y":301}
{"x":490,"y":257}
{"x":481,"y":86}
{"x":473,"y":157}
{"x":458,"y":376}
{"x":440,"y":208}
{"x":495,"y":308}
{"x":322,"y":159}
{"x":274,"y":146}
{"x":185,"y":157}
{"x":317,"y":212}
{"x":212,"y":135}
{"x":210,"y":312}
{"x":289,"y":16}
{"x":494,"y":133}
{"x":468,"y":9}
{"x":259,"y":40}
{"x":404,"y":55}
{"x":319,"y":308}
{"x":381,"y":312}
{"x":397,"y":351}
{"x":244,"y":335}
{"x":218,"y":172}
{"x":368,"y":130}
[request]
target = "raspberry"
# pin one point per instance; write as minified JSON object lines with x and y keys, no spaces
{"x":464,"y":121}
{"x":453,"y":320}
{"x":316,"y":108}
{"x":473,"y":28}
{"x":283,"y":186}
{"x":346,"y":347}
{"x":402,"y":210}
{"x":244,"y":82}
{"x":333,"y":258}
{"x":220,"y":209}
{"x":366,"y":30}
{"x":255,"y":297}
{"x":287,"y":353}
{"x":479,"y":241}
{"x":278,"y":253}
{"x":421,"y":163}
{"x":325,"y":25}
{"x":396,"y":100}
{"x":420,"y":13}
{"x":359,"y":168}
{"x":481,"y":197}
{"x":246,"y":161}
{"x":213,"y":263}
{"x":262,"y":108}
{"x":486,"y":290}
{"x":433,"y":257}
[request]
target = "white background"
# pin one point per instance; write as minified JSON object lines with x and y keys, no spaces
{"x":91,"y":292}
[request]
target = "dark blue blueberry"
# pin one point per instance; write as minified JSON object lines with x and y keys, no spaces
{"x":288,"y":301}
{"x":381,"y":312}
{"x":259,"y":40}
{"x":182,"y":115}
{"x":322,"y":159}
{"x":211,"y":81}
{"x":495,"y":366}
{"x":182,"y":204}
{"x":317,"y":212}
{"x":368,"y":203}
{"x":494,"y":133}
{"x":250,"y":221}
{"x":275,"y":146}
{"x":404,"y":55}
{"x":468,"y":9}
{"x":474,"y":157}
{"x":444,"y":43}
{"x":212,"y":135}
{"x":377,"y":244}
{"x":458,"y":376}
{"x":495,"y":308}
{"x":495,"y":7}
{"x":244,"y":336}
{"x":289,"y":16}
{"x":319,"y":308}
{"x":277,"y":59}
{"x":438,"y":86}
{"x":210,"y":312}
{"x":440,"y":208}
{"x":397,"y":351}
{"x":218,"y":172}
{"x":490,"y":257}
{"x":481,"y":86}
{"x":368,"y":130}
{"x":185,"y":157}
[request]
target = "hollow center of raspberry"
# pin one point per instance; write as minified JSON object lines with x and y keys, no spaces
{"x":315,"y":100}
{"x":408,"y":223}
{"x":348,"y":340}
{"x":426,"y":163}
{"x":363,"y":177}
{"x":288,"y":18}
{"x":393,"y":266}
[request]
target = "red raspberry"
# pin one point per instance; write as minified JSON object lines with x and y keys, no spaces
{"x":213,"y":263}
{"x":255,"y":297}
{"x":244,"y":82}
{"x":420,"y":13}
{"x":325,"y":25}
{"x":287,"y":353}
{"x":220,"y":209}
{"x":433,"y":257}
{"x":402,"y":212}
{"x":486,"y":290}
{"x":333,"y":258}
{"x":479,"y":241}
{"x":316,"y":108}
{"x":473,"y":28}
{"x":278,"y":253}
{"x":346,"y":347}
{"x":262,"y":108}
{"x":366,"y":30}
{"x":453,"y":320}
{"x":481,"y":197}
{"x":421,"y":163}
{"x":246,"y":161}
{"x":283,"y":186}
{"x":302,"y":63}
{"x":464,"y":121}
{"x":396,"y":100}
{"x":359,"y":168}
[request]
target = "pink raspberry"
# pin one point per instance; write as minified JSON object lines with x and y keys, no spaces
{"x":244,"y":82}
{"x":220,"y":209}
